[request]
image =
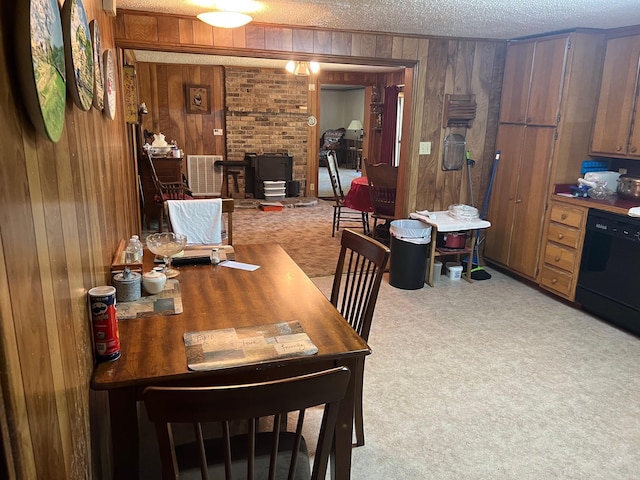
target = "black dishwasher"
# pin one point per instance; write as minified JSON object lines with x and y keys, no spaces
{"x":609,"y":279}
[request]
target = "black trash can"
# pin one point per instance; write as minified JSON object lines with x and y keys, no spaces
{"x":410,"y":241}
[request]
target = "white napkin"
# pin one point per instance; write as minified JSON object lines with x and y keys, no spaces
{"x":199,"y":220}
{"x":634,"y":212}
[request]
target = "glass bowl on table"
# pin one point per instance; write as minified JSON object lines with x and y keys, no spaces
{"x":167,"y":245}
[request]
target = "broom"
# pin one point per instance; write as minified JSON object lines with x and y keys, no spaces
{"x":478,"y":272}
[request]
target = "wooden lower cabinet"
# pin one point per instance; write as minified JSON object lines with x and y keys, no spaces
{"x":562,"y":246}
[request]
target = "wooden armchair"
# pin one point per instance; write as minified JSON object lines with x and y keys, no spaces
{"x":156,"y":192}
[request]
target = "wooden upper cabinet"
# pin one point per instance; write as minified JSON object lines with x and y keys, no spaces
{"x":612,"y":131}
{"x":533,"y":77}
{"x":546,"y":81}
{"x":515,"y":85}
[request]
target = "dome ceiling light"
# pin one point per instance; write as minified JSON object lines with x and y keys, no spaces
{"x":225,"y":19}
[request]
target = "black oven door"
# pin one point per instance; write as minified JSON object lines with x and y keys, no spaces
{"x":608,"y":283}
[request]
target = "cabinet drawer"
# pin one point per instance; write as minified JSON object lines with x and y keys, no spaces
{"x":572,"y":217}
{"x":564,"y":258}
{"x":556,"y":280}
{"x":561,"y":234}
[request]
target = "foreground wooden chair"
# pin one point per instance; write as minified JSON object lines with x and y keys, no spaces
{"x":253,"y":454}
{"x":356,"y":284}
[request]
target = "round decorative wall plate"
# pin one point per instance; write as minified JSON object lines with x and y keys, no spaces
{"x":312,"y":121}
{"x":41,"y":65}
{"x":78,"y":53}
{"x":109,"y":84}
{"x":98,"y":78}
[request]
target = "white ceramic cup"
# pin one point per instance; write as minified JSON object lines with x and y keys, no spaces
{"x":154,"y":282}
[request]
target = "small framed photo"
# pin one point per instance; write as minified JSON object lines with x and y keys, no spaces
{"x":198,"y":99}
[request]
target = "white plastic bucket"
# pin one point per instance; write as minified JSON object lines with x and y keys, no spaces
{"x":455,"y":272}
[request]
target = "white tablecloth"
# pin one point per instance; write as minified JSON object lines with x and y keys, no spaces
{"x":446,"y":223}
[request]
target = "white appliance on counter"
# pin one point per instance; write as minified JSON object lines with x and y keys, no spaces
{"x":592,"y":179}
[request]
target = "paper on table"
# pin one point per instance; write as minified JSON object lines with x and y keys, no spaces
{"x":634,"y":212}
{"x":239,"y":265}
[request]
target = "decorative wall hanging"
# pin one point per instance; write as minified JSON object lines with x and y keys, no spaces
{"x":130,"y":94}
{"x":98,"y":78}
{"x":459,"y":110}
{"x":41,"y":66}
{"x":198,"y":99}
{"x":78,"y":53}
{"x":109,"y":84}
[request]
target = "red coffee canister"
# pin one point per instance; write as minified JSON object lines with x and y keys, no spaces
{"x":104,"y":323}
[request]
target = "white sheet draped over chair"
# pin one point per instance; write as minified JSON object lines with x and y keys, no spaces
{"x":199,"y":220}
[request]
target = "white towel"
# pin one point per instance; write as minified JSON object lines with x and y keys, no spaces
{"x":634,"y":212}
{"x":199,"y":220}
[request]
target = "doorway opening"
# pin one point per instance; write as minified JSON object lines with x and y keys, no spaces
{"x":341,"y":129}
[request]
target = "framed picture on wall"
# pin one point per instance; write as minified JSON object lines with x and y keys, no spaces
{"x":198,"y":98}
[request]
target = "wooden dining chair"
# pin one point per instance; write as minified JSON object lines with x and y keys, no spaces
{"x":383,"y":180}
{"x":361,"y":264}
{"x":341,"y":213}
{"x":157,"y":192}
{"x":250,"y":453}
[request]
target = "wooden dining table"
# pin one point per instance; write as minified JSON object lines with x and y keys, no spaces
{"x":216,"y":297}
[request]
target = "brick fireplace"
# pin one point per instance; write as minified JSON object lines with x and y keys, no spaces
{"x":266,"y":112}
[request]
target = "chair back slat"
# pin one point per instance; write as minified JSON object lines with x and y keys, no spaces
{"x":356,"y":283}
{"x":334,"y":177}
{"x":235,"y":405}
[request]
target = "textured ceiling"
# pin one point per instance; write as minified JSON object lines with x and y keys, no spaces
{"x":499,"y":19}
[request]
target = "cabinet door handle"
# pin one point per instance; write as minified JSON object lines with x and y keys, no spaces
{"x":618,"y":148}
{"x":554,"y":280}
{"x":633,"y":149}
{"x":560,"y":236}
{"x":563,"y":216}
{"x":519,"y":200}
{"x":557,"y":259}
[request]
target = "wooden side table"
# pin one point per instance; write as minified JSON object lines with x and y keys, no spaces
{"x":443,"y":222}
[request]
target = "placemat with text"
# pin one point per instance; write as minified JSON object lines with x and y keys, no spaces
{"x":215,"y":349}
{"x":167,"y":302}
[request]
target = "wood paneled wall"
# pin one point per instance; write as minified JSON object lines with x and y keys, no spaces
{"x":63,"y":208}
{"x":162,"y":88}
{"x":440,"y":66}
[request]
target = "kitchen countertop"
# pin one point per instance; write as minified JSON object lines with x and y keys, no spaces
{"x":617,"y":205}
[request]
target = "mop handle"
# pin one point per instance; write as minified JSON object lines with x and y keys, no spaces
{"x":485,"y":207}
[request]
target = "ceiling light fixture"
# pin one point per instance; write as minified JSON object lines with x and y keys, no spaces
{"x":301,"y":68}
{"x":223,"y":19}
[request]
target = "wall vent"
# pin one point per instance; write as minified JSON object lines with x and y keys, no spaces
{"x":204,"y":177}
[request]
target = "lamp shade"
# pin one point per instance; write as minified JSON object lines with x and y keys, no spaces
{"x":302,"y":68}
{"x":224,"y":19}
{"x":355,"y":125}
